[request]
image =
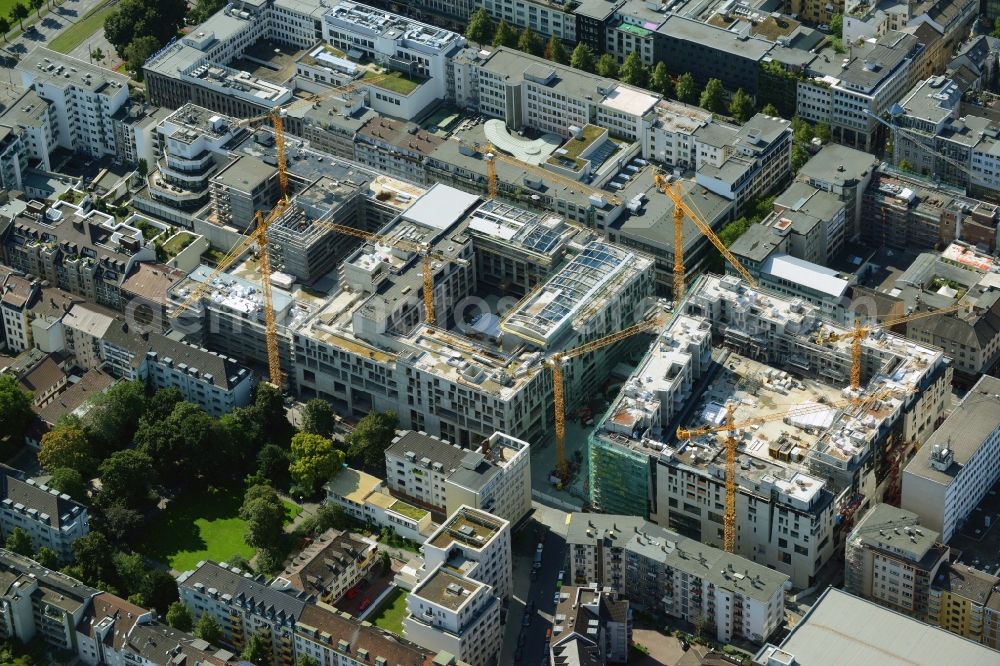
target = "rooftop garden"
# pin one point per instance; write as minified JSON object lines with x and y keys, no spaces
{"x":568,"y":155}
{"x":393,"y":81}
{"x":408,"y":510}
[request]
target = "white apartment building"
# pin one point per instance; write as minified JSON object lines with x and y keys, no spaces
{"x":242,"y":605}
{"x":849,"y":95}
{"x":672,"y":135}
{"x":363,"y":497}
{"x":478,"y":544}
{"x":13,"y":159}
{"x":960,"y":462}
{"x":494,"y":477}
{"x":401,"y":44}
{"x":52,"y":520}
{"x":660,"y":570}
{"x":35,"y":122}
{"x":892,"y":560}
{"x":298,"y":23}
{"x":100,"y":339}
{"x":455,"y":614}
{"x":84,"y":98}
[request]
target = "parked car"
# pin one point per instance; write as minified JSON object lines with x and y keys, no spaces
{"x":556,"y":598}
{"x":365,"y":604}
{"x":526,"y":620}
{"x":562,"y":575}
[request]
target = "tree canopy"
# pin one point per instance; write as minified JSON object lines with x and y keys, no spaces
{"x":480,"y":28}
{"x":741,"y":106}
{"x":687,"y":89}
{"x":607,"y":66}
{"x":207,"y":629}
{"x":530,"y":42}
{"x":19,"y":541}
{"x":633,"y":71}
{"x":114,"y":417}
{"x":135,"y":19}
{"x":661,"y":81}
{"x":713,"y":97}
{"x":127,"y":478}
{"x":582,"y":58}
{"x":179,"y":617}
{"x":15,"y":409}
{"x":556,"y":52}
{"x":505,"y":35}
{"x":265,"y":516}
{"x":318,"y":418}
{"x":66,"y":447}
{"x":314,"y":461}
{"x":366,"y":444}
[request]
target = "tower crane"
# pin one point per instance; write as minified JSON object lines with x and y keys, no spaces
{"x":729,"y":427}
{"x":681,"y":210}
{"x":492,"y":156}
{"x":555,"y":362}
{"x":427,"y":256}
{"x":860,"y":332}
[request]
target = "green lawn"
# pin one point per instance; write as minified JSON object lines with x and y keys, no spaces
{"x":81,"y":31}
{"x":178,"y":242}
{"x":390,"y":616}
{"x":201,"y":527}
{"x":393,"y":81}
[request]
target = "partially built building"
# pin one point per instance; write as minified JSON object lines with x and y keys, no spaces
{"x":811,"y":452}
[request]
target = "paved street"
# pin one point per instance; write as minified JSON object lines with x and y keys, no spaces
{"x":530,"y":640}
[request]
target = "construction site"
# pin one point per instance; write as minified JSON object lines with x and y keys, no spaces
{"x":767,"y":376}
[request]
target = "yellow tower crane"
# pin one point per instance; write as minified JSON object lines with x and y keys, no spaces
{"x":681,"y":210}
{"x":555,"y":362}
{"x":730,"y":426}
{"x":427,"y":256}
{"x":860,"y":332}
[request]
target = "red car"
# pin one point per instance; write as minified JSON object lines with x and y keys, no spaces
{"x":351,"y":593}
{"x":365,"y":604}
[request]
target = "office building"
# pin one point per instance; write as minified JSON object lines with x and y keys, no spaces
{"x":892,"y":560}
{"x":477,"y":544}
{"x":664,"y":572}
{"x":845,"y":173}
{"x":494,"y":477}
{"x":958,"y":464}
{"x":966,"y":601}
{"x":849,"y":96}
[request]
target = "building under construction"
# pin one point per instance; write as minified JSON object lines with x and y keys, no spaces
{"x":810,"y":451}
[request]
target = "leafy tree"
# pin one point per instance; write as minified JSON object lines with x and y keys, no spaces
{"x":97,"y":55}
{"x":802,"y":131}
{"x":69,"y":481}
{"x":47,"y":557}
{"x":505,"y":35}
{"x":996,"y":27}
{"x":126,"y":478}
{"x":741,"y":106}
{"x":384,"y":564}
{"x":529,"y":42}
{"x":905,"y":166}
{"x":37,"y":6}
{"x":366,"y":444}
{"x":207,"y":629}
{"x":582,"y":58}
{"x":687,"y":90}
{"x":733,"y":230}
{"x":138,"y":51}
{"x":19,"y":541}
{"x":66,"y":446}
{"x":607,"y":66}
{"x":306,"y":660}
{"x":4,"y":27}
{"x":19,"y":12}
{"x":799,"y":157}
{"x":265,"y":516}
{"x":318,"y":418}
{"x":179,"y":617}
{"x":332,"y":516}
{"x":131,"y":572}
{"x":114,"y":417}
{"x":243,"y":429}
{"x":142,"y":167}
{"x":119,"y":520}
{"x":269,"y":410}
{"x":272,"y":466}
{"x":203,"y":9}
{"x":837,"y":25}
{"x":15,"y":409}
{"x":661,"y":81}
{"x":184,"y":444}
{"x":160,"y":405}
{"x":314,"y":461}
{"x":822,"y":132}
{"x":240,"y":562}
{"x":480,"y":29}
{"x":94,"y":558}
{"x":713,"y":97}
{"x":556,"y":52}
{"x":633,"y":71}
{"x":771,"y":110}
{"x":138,"y":19}
{"x":159,"y":590}
{"x":256,"y":651}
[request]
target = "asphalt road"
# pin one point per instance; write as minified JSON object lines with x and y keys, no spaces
{"x":529,"y":640}
{"x":51,"y":24}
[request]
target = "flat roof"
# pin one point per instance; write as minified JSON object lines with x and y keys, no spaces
{"x":468,"y":527}
{"x":440,"y":207}
{"x":844,"y":629}
{"x":972,"y":421}
{"x":63,"y":71}
{"x":690,"y":30}
{"x":633,"y":101}
{"x":805,"y":273}
{"x":353,"y":485}
{"x":447,"y":589}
